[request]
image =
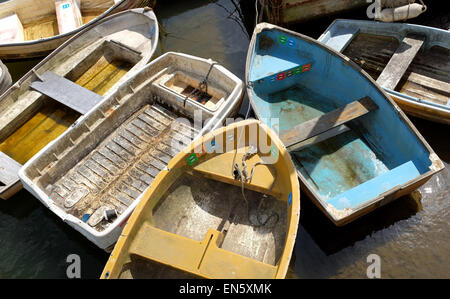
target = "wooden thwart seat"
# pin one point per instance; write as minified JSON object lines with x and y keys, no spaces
{"x":66,"y":92}
{"x":327,"y":122}
{"x":400,"y":61}
{"x":203,"y":258}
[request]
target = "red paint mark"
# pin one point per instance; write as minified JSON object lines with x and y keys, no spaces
{"x":125,"y":221}
{"x":306,"y":67}
{"x":281,"y":76}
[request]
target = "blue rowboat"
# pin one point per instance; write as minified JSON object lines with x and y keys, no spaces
{"x":353,"y":148}
{"x":411,"y":62}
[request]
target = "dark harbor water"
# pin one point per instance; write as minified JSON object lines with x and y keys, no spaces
{"x":410,"y":234}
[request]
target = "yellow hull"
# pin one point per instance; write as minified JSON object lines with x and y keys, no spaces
{"x":425,"y":112}
{"x":171,"y":234}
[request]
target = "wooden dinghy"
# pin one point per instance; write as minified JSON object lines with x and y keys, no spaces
{"x":411,"y":62}
{"x":68,"y":83}
{"x":106,"y":161}
{"x":5,"y":78}
{"x":40,"y":26}
{"x":353,"y":148}
{"x":202,"y":217}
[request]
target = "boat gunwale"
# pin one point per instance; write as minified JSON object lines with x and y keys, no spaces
{"x":435,"y":166}
{"x":404,"y":27}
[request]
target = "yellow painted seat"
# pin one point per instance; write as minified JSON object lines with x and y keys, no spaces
{"x":203,"y":258}
{"x":219,"y":168}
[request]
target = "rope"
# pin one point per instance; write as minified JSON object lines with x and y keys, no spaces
{"x":243,"y":176}
{"x":203,"y":85}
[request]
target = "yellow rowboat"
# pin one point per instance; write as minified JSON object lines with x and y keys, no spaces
{"x":68,"y":83}
{"x":227,"y":207}
{"x":40,"y":27}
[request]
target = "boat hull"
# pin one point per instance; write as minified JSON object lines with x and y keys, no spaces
{"x":293,"y":85}
{"x":421,"y":110}
{"x":297,"y":11}
{"x":220,"y":246}
{"x":40,"y":106}
{"x":44,"y":46}
{"x":133,"y":134}
{"x":424,"y":87}
{"x":5,"y":78}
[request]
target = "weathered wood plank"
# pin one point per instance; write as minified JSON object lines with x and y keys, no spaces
{"x":327,"y":121}
{"x":434,"y":84}
{"x":424,"y":93}
{"x":319,"y":138}
{"x":140,"y":175}
{"x":133,"y":139}
{"x":158,"y":116}
{"x":151,"y":122}
{"x":135,"y":183}
{"x":400,"y":61}
{"x":66,"y":92}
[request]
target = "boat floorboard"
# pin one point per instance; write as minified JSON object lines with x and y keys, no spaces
{"x":50,"y":121}
{"x":333,"y":165}
{"x":373,"y":52}
{"x":48,"y":26}
{"x":195,"y":204}
{"x":123,"y":165}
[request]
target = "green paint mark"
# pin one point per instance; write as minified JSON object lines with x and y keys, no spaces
{"x":274,"y":151}
{"x":298,"y":70}
{"x":191,"y":159}
{"x":282,"y":39}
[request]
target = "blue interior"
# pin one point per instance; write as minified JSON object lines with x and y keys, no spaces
{"x":379,"y":152}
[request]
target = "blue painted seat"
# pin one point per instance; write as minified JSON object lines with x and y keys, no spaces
{"x":283,"y":67}
{"x":339,"y":38}
{"x":373,"y":188}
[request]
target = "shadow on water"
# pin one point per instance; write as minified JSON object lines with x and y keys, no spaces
{"x":18,"y":68}
{"x":437,"y":136}
{"x":332,"y":239}
{"x":20,"y":206}
{"x":35,"y":243}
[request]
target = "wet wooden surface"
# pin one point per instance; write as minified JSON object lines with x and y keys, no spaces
{"x":400,"y":61}
{"x":328,"y":121}
{"x":44,"y":126}
{"x":426,"y":77}
{"x":101,"y":76}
